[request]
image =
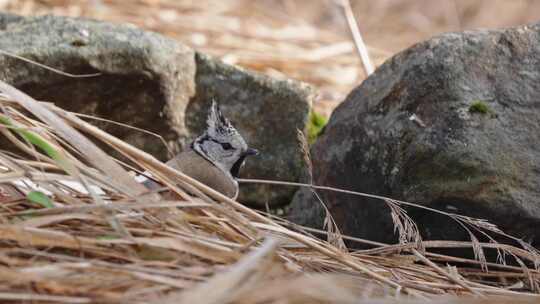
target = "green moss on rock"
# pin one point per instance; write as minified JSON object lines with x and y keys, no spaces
{"x":315,"y":125}
{"x":480,"y":107}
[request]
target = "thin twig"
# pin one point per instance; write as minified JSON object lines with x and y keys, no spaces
{"x":357,"y":37}
{"x":48,"y":67}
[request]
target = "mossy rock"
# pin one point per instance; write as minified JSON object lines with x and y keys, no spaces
{"x":450,"y":123}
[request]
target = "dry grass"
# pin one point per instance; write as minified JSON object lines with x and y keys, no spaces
{"x":189,"y":243}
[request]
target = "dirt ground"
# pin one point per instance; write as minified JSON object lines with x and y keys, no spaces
{"x":301,"y":39}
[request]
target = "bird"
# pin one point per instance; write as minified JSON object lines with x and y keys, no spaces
{"x":215,"y":157}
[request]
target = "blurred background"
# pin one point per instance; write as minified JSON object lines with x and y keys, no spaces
{"x":308,"y":40}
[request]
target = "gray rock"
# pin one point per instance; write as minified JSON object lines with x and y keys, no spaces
{"x":473,"y":146}
{"x":157,"y":84}
{"x":146,"y":79}
{"x":267,"y":112}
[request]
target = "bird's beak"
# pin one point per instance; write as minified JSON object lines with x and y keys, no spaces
{"x":251,"y":151}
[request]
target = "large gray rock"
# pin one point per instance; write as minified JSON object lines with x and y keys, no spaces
{"x":473,"y":146}
{"x":267,"y":112}
{"x":156,"y":83}
{"x":146,"y":79}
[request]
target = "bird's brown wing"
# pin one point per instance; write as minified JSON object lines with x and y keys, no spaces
{"x":197,"y":167}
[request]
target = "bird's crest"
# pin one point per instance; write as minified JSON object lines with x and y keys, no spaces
{"x":221,"y":143}
{"x":217,"y":124}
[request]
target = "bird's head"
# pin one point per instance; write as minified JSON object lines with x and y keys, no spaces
{"x":221,"y":144}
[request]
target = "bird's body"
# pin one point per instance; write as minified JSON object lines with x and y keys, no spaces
{"x":197,"y":167}
{"x":215,"y":157}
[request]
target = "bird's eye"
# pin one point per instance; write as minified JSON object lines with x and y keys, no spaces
{"x":226,"y":146}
